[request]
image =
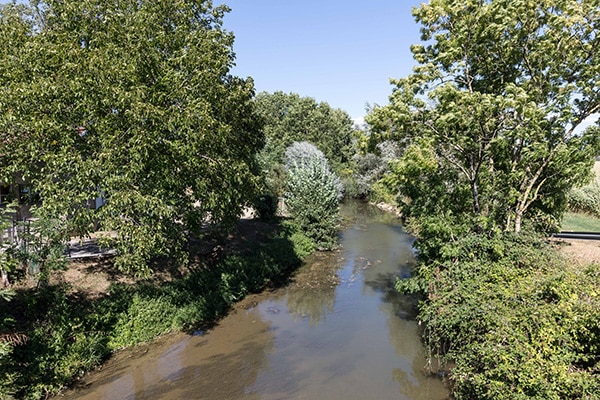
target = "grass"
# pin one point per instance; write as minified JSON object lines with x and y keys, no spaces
{"x":577,"y":222}
{"x":582,"y":222}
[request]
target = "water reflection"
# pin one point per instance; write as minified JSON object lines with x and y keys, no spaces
{"x":311,"y":293}
{"x":351,"y":340}
{"x":338,"y":331}
{"x":387,"y":254}
{"x":219,"y":367}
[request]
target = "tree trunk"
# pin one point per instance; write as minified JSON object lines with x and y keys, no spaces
{"x":475,"y":192}
{"x":5,"y":282}
{"x":518,"y":219}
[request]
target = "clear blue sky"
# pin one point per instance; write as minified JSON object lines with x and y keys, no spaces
{"x":342,"y":52}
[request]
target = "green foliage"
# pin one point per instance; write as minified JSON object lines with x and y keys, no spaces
{"x":266,"y":206}
{"x":312,"y":199}
{"x":301,"y":154}
{"x":145,"y":319}
{"x":52,"y":342}
{"x":585,"y":199}
{"x":488,"y":128}
{"x":131,"y":101}
{"x":69,"y":334}
{"x":6,"y":347}
{"x":289,"y":118}
{"x":303,"y":245}
{"x":369,"y":168}
{"x":512,"y":317}
{"x":42,"y":248}
{"x":8,"y":247}
{"x":500,"y":90}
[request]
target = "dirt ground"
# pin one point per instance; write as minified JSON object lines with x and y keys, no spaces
{"x":582,"y":252}
{"x":93,"y":276}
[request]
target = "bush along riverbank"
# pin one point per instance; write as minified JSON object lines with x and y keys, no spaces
{"x":511,"y":315}
{"x":53,"y":335}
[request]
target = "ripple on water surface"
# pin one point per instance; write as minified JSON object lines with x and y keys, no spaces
{"x":338,"y":331}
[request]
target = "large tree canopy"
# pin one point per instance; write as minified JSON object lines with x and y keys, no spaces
{"x":130,"y":100}
{"x":290,"y":118}
{"x":491,"y":116}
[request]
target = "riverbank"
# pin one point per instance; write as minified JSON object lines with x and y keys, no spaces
{"x":516,"y":317}
{"x":89,"y":311}
{"x":512,"y":316}
{"x":336,"y":330}
{"x":389,"y":208}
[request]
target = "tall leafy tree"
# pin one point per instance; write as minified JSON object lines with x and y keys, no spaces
{"x":290,"y":118}
{"x":131,"y":101}
{"x":312,"y":194}
{"x":495,"y":108}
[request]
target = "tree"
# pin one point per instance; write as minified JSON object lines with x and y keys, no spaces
{"x":131,"y":101}
{"x":312,"y":194}
{"x":304,"y":154}
{"x":289,"y":118}
{"x":497,"y":102}
{"x":300,"y":154}
{"x":370,"y":167}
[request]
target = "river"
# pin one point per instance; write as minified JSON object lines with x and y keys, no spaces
{"x":337,"y":331}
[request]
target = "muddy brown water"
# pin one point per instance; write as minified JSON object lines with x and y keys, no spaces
{"x":337,"y":331}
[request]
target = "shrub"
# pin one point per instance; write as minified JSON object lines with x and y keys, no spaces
{"x":312,"y":198}
{"x":515,"y":320}
{"x":145,"y":319}
{"x":266,"y":206}
{"x":585,"y":200}
{"x":303,"y":245}
{"x":300,"y":154}
{"x":370,"y":168}
{"x":6,"y":346}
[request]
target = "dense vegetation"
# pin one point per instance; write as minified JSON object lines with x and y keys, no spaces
{"x":289,"y":118}
{"x":53,"y":335}
{"x":489,"y":120}
{"x":511,"y":317}
{"x":132,"y":102}
{"x":130,"y":105}
{"x":487,"y":127}
{"x":312,"y":194}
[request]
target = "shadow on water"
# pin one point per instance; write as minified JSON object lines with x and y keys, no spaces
{"x":338,"y":330}
{"x":311,"y":293}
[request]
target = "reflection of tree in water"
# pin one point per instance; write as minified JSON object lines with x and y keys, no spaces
{"x":417,"y":379}
{"x":426,"y":387}
{"x":386,"y":254}
{"x":222,"y":365}
{"x":312,"y":293}
{"x":358,"y":213}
